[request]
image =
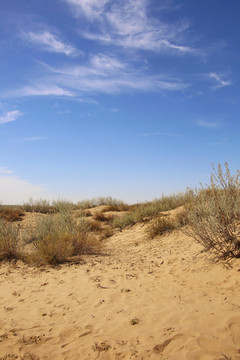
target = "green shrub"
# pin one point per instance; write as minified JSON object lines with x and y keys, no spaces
{"x":41,"y":206}
{"x":151,"y":209}
{"x":88,"y":204}
{"x":214,"y":214}
{"x":9,"y":241}
{"x":55,"y":238}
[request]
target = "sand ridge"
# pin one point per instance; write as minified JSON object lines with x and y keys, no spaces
{"x":141,"y":299}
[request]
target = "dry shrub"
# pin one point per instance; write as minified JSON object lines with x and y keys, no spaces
{"x":214,"y":214}
{"x":87,"y":204}
{"x":119,"y":207}
{"x":11,"y":215}
{"x":9,"y":241}
{"x":100,"y":216}
{"x":181,"y":218}
{"x":107,"y":233}
{"x":160,"y":226}
{"x":41,"y":206}
{"x":46,"y":207}
{"x":87,"y":213}
{"x":94,"y":225}
{"x":58,"y":237}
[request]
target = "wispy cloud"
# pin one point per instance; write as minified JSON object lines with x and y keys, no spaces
{"x":159,"y":133}
{"x":208,"y":124}
{"x":39,"y":90}
{"x":15,"y":190}
{"x":107,"y":74}
{"x":221,"y":142}
{"x":127,"y":23}
{"x":99,"y":73}
{"x":50,"y":43}
{"x":5,"y":171}
{"x":10,"y":116}
{"x":221,"y":82}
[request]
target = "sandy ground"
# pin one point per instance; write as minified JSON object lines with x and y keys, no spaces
{"x":143,"y":299}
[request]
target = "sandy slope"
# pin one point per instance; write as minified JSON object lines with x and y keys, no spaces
{"x":184,"y":306}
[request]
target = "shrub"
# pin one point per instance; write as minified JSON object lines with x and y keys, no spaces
{"x":10,"y":214}
{"x":87,"y":204}
{"x":99,"y":216}
{"x":94,"y":225}
{"x":214,"y":214}
{"x":160,"y":226}
{"x":63,"y":206}
{"x":9,"y":241}
{"x":120,"y":207}
{"x":41,"y":206}
{"x":107,"y":233}
{"x":56,"y":238}
{"x":151,"y":209}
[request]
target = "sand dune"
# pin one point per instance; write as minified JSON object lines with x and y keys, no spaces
{"x":142,"y":299}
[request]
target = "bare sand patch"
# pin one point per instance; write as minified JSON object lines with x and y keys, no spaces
{"x":184,"y":305}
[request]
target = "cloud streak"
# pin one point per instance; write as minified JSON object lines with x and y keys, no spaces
{"x":219,"y":78}
{"x":50,"y":43}
{"x":41,"y":89}
{"x":10,"y":116}
{"x":208,"y":124}
{"x":127,"y":23}
{"x":101,"y":73}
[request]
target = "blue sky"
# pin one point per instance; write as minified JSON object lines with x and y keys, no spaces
{"x":121,"y":98}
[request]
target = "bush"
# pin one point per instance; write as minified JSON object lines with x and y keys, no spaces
{"x":160,"y":226}
{"x":87,"y":204}
{"x":214,"y":214}
{"x":9,"y":241}
{"x":10,"y":214}
{"x":40,"y":206}
{"x":151,"y":209}
{"x":56,"y":238}
{"x":100,"y":216}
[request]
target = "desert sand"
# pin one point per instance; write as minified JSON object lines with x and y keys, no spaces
{"x":142,"y":299}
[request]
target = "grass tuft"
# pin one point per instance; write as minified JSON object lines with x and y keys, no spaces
{"x":9,"y":241}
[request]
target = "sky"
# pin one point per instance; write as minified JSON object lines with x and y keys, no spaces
{"x":124,"y":98}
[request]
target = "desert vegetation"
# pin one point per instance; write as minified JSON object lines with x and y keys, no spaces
{"x":11,"y":214}
{"x":9,"y":241}
{"x":152,"y":209}
{"x":57,"y":238}
{"x":214,"y":214}
{"x":210,"y":214}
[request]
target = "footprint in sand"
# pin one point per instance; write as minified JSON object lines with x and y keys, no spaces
{"x":158,"y":349}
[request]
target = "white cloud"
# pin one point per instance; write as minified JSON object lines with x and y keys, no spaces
{"x":127,"y":23}
{"x":49,"y":42}
{"x":10,"y":116}
{"x":100,"y":73}
{"x":15,"y":190}
{"x":91,"y":8}
{"x":40,"y":90}
{"x":5,"y":171}
{"x":108,"y":74}
{"x":208,"y":124}
{"x":221,"y":83}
